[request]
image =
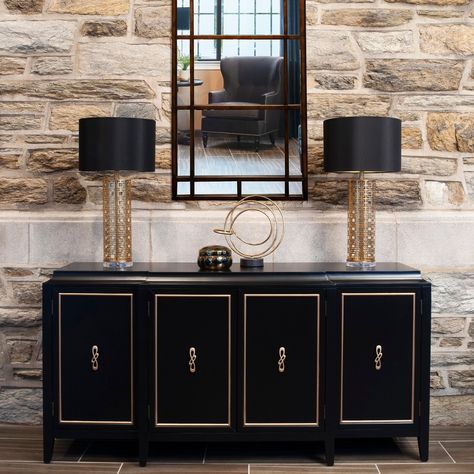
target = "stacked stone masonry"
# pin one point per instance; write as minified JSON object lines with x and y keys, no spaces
{"x":65,"y":59}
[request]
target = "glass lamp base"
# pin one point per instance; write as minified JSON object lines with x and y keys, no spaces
{"x":118,"y":265}
{"x":360,"y":264}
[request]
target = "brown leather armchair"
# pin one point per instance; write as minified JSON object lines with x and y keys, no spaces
{"x":248,"y":81}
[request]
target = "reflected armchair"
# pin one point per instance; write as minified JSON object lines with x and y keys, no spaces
{"x":247,"y":81}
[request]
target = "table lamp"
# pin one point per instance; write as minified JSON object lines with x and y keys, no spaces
{"x":362,"y":144}
{"x":116,"y":145}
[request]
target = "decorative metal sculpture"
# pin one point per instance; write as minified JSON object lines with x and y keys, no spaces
{"x":264,"y":247}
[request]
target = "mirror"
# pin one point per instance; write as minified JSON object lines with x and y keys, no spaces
{"x":239,"y":99}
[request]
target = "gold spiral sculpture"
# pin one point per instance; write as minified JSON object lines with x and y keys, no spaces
{"x":263,"y":247}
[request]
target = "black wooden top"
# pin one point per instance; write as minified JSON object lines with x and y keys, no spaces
{"x":180,"y":272}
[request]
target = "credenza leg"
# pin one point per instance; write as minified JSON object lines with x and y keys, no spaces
{"x":48,"y":448}
{"x":423,"y":447}
{"x":329,"y":448}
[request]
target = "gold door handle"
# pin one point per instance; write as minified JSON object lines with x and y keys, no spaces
{"x":281,"y":361}
{"x":95,"y":358}
{"x":378,"y":357}
{"x":192,"y":360}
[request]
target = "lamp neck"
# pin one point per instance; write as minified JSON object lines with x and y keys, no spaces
{"x":361,"y":175}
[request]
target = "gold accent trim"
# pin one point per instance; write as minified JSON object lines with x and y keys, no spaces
{"x":276,"y":295}
{"x":378,"y":357}
{"x":132,"y":361}
{"x":229,"y":361}
{"x":281,"y":361}
{"x":95,"y":358}
{"x":341,"y":415}
{"x":192,"y":360}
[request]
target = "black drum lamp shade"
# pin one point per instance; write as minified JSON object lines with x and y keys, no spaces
{"x":182,"y":18}
{"x":116,"y":144}
{"x":371,"y":144}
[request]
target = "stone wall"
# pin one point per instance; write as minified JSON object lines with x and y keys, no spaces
{"x":64,"y":59}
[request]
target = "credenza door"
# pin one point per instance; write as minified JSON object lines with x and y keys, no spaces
{"x":192,"y":360}
{"x":378,"y":332}
{"x":281,"y":360}
{"x":95,"y":358}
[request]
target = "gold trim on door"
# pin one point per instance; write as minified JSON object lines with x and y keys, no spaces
{"x":229,"y":364}
{"x":277,"y":295}
{"x":96,"y":422}
{"x":394,"y":422}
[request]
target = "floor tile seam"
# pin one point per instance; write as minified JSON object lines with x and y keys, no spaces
{"x":120,"y":468}
{"x":378,"y":470}
{"x":84,"y":452}
{"x":447,"y":452}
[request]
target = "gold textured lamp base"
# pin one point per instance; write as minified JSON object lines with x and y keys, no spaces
{"x":361,"y":223}
{"x":117,"y":203}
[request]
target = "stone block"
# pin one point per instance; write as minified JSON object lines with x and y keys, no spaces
{"x":411,"y":138}
{"x":21,"y":406}
{"x":445,"y":325}
{"x":51,"y":65}
{"x":429,"y":166}
{"x":163,"y":158}
{"x":49,"y":160}
{"x":17,"y":272}
{"x":21,"y":351}
{"x":452,"y":293}
{"x":444,"y":193}
{"x":378,"y":42}
{"x":422,"y":241}
{"x":20,"y":317}
{"x":89,"y":7}
{"x":397,"y":75}
{"x":27,"y":375}
{"x":44,"y":36}
{"x":436,"y":381}
{"x":447,"y":39}
{"x":324,"y":106}
{"x":14,"y":238}
{"x":448,"y":131}
{"x":12,"y":65}
{"x":452,"y":410}
{"x":316,"y":158}
{"x":63,"y":241}
{"x":153,"y":22}
{"x":449,"y":359}
{"x":436,"y":102}
{"x":398,"y":192}
{"x":373,"y":18}
{"x":66,"y":116}
{"x":152,"y":189}
{"x":21,"y":122}
{"x":24,"y":6}
{"x":17,"y":107}
{"x":337,"y":82}
{"x":441,"y":3}
{"x":27,"y":292}
{"x":10,"y":161}
{"x":451,"y":342}
{"x":105,"y":59}
{"x":68,"y":190}
{"x":333,"y":50}
{"x":145,"y":110}
{"x":99,"y":28}
{"x":440,"y":13}
{"x":462,"y":379}
{"x":111,"y":89}
{"x":23,"y":191}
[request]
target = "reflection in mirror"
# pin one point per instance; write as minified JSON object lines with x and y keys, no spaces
{"x":240,"y":100}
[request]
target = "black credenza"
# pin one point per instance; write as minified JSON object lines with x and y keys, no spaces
{"x":296,"y":352}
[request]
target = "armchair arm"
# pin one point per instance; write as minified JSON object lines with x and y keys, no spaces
{"x":218,"y":96}
{"x":271,"y":98}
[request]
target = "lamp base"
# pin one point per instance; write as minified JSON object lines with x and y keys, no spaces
{"x":118,"y":265}
{"x":360,"y":264}
{"x":117,"y":204}
{"x":361,"y":223}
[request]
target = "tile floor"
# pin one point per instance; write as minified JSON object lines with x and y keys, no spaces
{"x":451,"y":451}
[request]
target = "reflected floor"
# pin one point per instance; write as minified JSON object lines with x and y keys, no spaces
{"x":225,"y":156}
